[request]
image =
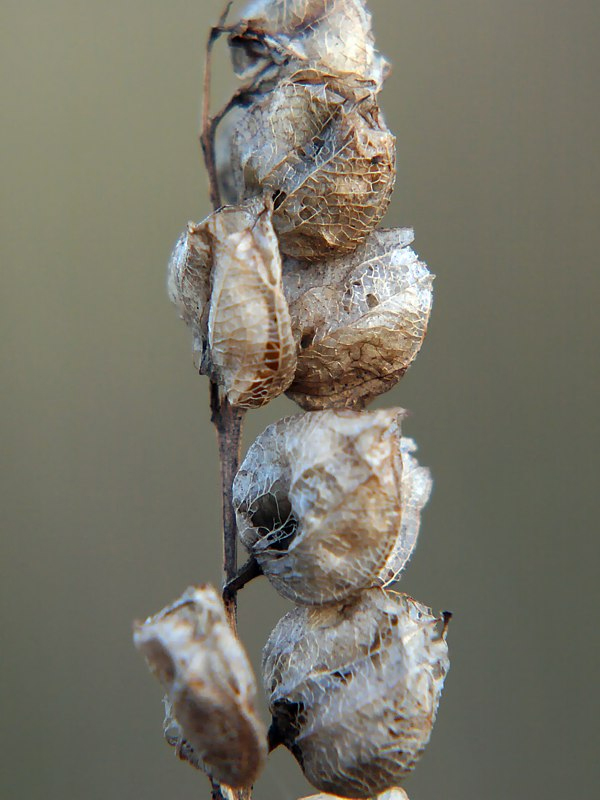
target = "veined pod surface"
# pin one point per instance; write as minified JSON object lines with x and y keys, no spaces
{"x":392,"y":794}
{"x":335,"y":35}
{"x":354,"y":689}
{"x":324,"y":505}
{"x":328,"y":162}
{"x":225,"y":278}
{"x":358,"y":321}
{"x":211,"y":714}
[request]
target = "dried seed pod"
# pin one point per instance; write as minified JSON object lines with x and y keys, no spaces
{"x":243,"y":331}
{"x":358,"y":321}
{"x":335,"y":35}
{"x":392,"y":794}
{"x":328,"y":163}
{"x":319,"y":502}
{"x":354,"y":689}
{"x":211,"y":691}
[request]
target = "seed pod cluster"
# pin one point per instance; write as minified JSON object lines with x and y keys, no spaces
{"x":225,"y":278}
{"x":333,"y":35}
{"x":329,"y":503}
{"x":211,"y":715}
{"x":293,"y":288}
{"x":308,"y":128}
{"x":354,"y":689}
{"x":328,"y":162}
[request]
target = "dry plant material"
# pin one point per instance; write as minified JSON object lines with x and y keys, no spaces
{"x":354,"y":689}
{"x":323,"y":504}
{"x":334,"y":35}
{"x":392,"y":794}
{"x":358,"y":321}
{"x":225,"y":278}
{"x":329,"y":164}
{"x":211,"y":690}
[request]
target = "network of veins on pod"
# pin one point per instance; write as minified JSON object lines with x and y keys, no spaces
{"x":291,"y":286}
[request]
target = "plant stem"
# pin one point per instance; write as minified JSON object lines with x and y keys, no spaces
{"x":228,"y":422}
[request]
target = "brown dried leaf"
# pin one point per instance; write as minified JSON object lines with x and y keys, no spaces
{"x":334,"y":35}
{"x":211,"y":691}
{"x":358,"y":321}
{"x":241,"y":324}
{"x":320,"y":501}
{"x":354,"y":689}
{"x":329,"y":164}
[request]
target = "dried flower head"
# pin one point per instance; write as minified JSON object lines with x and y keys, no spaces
{"x":328,"y":163}
{"x":334,"y":35}
{"x":354,"y":689}
{"x":358,"y":321}
{"x":211,"y":691}
{"x":225,"y":278}
{"x":323,"y":505}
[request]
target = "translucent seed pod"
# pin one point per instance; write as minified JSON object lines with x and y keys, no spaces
{"x":238,"y":314}
{"x":210,"y":706}
{"x":354,"y":689}
{"x":358,"y":321}
{"x":335,"y":35}
{"x":328,"y":163}
{"x":320,"y":501}
{"x":392,"y":794}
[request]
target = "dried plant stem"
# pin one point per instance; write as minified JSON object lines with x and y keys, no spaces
{"x":228,"y":422}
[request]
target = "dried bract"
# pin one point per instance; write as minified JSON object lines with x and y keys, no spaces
{"x":320,"y":500}
{"x":392,"y":794}
{"x":241,"y":324}
{"x":335,"y":35}
{"x":211,"y":691}
{"x":354,"y":689}
{"x":328,"y":163}
{"x":358,"y":321}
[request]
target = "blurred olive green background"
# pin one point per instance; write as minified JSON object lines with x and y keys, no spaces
{"x":109,"y":502}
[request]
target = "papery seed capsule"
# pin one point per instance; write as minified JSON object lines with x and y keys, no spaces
{"x":328,"y":163}
{"x":358,"y":321}
{"x":211,"y":691}
{"x":225,"y":278}
{"x":354,"y":689}
{"x":320,"y":501}
{"x":334,"y":35}
{"x":392,"y":794}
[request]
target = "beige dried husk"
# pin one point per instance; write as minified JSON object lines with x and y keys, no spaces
{"x":354,"y":689}
{"x":225,"y":278}
{"x":358,"y":321}
{"x":335,"y":35}
{"x":329,"y":503}
{"x":392,"y":794}
{"x":211,"y":690}
{"x":328,"y":163}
